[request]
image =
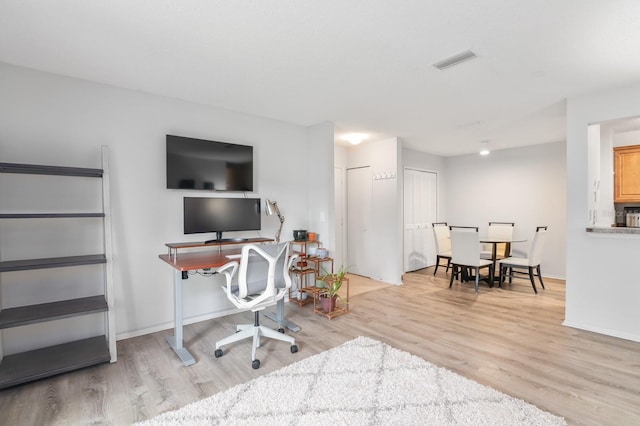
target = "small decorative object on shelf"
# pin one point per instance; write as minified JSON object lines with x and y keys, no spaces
{"x":302,"y":263}
{"x":300,"y":235}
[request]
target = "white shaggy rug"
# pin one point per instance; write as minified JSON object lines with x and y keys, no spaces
{"x":361,"y":382}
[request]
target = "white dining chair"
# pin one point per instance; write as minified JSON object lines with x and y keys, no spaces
{"x":443,"y":244}
{"x":465,"y":254}
{"x":498,"y":231}
{"x":512,"y":267}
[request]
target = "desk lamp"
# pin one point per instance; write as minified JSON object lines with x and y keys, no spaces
{"x":272,"y":208}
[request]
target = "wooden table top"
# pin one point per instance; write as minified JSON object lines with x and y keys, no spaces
{"x":190,"y":261}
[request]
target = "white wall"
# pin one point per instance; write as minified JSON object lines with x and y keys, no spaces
{"x":603,"y":198}
{"x":320,"y":190}
{"x":384,"y":157}
{"x":340,"y":217}
{"x":603,"y":292}
{"x":50,"y":119}
{"x":522,"y":185}
{"x":631,"y":137}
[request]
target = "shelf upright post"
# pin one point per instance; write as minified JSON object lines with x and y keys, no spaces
{"x":108,"y":249}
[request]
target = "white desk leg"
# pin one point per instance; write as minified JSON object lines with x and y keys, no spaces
{"x":279,"y":317}
{"x":176,"y":341}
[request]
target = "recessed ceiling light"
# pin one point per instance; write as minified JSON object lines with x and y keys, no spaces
{"x":484,"y":148}
{"x":354,"y":138}
{"x":455,"y":60}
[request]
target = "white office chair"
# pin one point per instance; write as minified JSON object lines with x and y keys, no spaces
{"x":465,"y":254}
{"x":499,"y":231}
{"x":443,"y":244}
{"x":511,"y":266}
{"x":263,"y":279}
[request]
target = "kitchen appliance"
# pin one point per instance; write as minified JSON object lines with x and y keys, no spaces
{"x":633,"y":220}
{"x":632,"y":217}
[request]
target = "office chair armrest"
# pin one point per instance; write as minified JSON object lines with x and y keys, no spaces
{"x":289,"y":266}
{"x":229,"y":269}
{"x":291,"y":260}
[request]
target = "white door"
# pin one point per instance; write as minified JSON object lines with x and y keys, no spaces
{"x":420,"y":211}
{"x":359,"y":220}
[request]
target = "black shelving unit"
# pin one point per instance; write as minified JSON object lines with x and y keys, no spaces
{"x":59,"y":358}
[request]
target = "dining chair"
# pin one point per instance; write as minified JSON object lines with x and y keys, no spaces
{"x":512,"y":266}
{"x":498,"y":231}
{"x":465,"y":254}
{"x":443,"y":244}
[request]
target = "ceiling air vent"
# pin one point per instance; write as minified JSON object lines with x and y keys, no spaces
{"x":455,"y":60}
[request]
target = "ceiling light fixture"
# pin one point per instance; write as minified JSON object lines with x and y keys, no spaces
{"x":354,"y":138}
{"x":455,"y":60}
{"x":484,"y":148}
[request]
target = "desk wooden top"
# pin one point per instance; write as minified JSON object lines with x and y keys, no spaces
{"x":199,"y":259}
{"x":224,"y":242}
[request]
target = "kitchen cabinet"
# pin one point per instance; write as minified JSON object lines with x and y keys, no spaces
{"x":626,"y":174}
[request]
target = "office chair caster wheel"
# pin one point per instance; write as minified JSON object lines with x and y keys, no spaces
{"x":294,"y":349}
{"x":255,"y":364}
{"x":218,"y":353}
{"x":281,"y":330}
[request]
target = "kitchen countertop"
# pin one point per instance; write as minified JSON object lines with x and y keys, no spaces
{"x":613,"y":230}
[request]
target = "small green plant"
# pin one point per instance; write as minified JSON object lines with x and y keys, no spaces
{"x":332,"y":281}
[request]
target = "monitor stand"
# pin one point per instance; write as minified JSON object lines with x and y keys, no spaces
{"x":219,"y":239}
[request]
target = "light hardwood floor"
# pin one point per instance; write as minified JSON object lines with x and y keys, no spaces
{"x":509,"y":339}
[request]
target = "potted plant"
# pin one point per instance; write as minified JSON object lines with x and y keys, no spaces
{"x":332,"y":282}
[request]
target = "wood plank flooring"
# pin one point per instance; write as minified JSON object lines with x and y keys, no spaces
{"x":509,"y":339}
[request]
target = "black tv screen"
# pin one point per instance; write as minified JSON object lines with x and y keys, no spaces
{"x":221,"y":215}
{"x":208,"y":165}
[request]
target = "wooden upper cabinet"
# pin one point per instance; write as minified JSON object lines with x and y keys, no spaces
{"x":627,"y":174}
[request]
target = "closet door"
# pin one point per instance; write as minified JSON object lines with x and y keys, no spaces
{"x":420,"y":211}
{"x":359,"y":220}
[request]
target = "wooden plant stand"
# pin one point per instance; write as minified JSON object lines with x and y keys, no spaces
{"x":340,"y":307}
{"x":303,"y":274}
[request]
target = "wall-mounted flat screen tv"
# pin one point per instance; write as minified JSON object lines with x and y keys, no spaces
{"x":221,"y":215}
{"x":208,"y":165}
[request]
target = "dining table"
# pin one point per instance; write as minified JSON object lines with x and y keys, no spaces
{"x":494,"y":241}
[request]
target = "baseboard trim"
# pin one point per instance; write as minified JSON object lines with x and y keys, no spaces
{"x":170,"y":325}
{"x":605,"y":331}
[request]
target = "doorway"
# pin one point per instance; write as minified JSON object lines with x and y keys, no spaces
{"x":420,"y":211}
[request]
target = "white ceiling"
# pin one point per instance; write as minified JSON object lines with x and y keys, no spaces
{"x":365,"y":65}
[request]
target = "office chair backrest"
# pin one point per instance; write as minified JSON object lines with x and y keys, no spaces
{"x":441,"y":236}
{"x":537,"y":246}
{"x":465,"y":245}
{"x":263,"y":269}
